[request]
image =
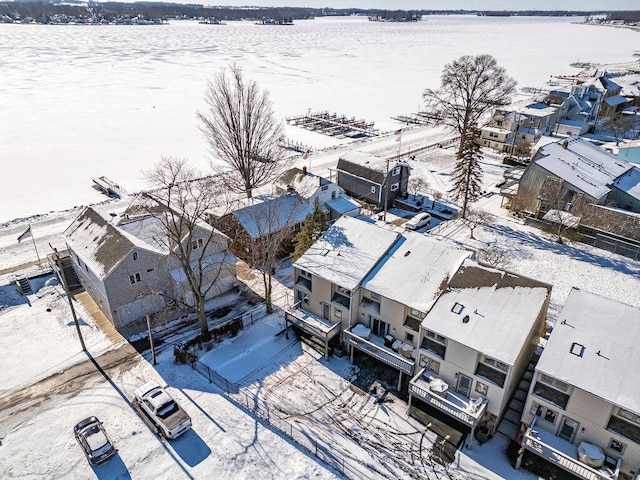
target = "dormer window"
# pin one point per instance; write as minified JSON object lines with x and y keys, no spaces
{"x":395,"y":172}
{"x":134,"y":255}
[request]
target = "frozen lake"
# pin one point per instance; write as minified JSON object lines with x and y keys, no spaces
{"x":78,"y":102}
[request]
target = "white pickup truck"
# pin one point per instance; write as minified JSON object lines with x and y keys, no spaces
{"x":171,"y":420}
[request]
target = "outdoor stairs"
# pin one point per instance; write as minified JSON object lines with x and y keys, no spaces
{"x":71,"y":277}
{"x":510,"y":423}
{"x":23,"y":285}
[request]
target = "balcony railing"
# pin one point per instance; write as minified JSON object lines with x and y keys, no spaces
{"x":455,"y":405}
{"x":538,"y":442}
{"x":382,"y":353}
{"x":310,"y":323}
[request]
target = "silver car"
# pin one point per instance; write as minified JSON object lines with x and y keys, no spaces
{"x":94,"y":441}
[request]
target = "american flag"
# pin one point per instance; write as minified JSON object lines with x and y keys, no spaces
{"x":25,"y":235}
{"x":398,"y":134}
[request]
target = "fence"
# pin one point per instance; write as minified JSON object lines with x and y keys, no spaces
{"x":352,"y":468}
{"x":612,"y":244}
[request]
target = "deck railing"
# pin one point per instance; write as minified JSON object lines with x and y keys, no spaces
{"x":383,"y":354}
{"x":311,"y":324}
{"x":564,"y":461}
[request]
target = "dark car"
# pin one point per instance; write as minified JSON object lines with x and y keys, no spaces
{"x":93,"y":439}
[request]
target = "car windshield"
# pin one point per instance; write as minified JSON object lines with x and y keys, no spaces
{"x":167,"y":409}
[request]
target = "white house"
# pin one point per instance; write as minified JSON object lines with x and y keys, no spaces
{"x":582,"y":412}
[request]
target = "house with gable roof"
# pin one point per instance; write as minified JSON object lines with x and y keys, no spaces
{"x":314,"y":189}
{"x":128,"y":266}
{"x":475,"y":344}
{"x":371,"y":179}
{"x":328,"y":277}
{"x":598,"y":192}
{"x":396,"y":295}
{"x":258,"y":220}
{"x":582,"y":412}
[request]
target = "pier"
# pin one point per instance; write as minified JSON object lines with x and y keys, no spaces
{"x":108,"y":187}
{"x":334,"y":125}
{"x":420,"y":118}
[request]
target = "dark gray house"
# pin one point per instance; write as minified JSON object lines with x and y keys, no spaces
{"x":373,"y":180}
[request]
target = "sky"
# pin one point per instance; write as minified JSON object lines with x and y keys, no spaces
{"x":582,"y":5}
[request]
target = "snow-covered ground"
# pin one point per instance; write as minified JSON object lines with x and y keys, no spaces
{"x":295,"y":384}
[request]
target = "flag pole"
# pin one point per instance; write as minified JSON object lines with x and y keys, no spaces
{"x":35,"y":247}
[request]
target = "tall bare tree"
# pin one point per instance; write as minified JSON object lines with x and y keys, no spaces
{"x":469,"y":87}
{"x":467,"y":174}
{"x":620,"y":125}
{"x":417,"y":184}
{"x":241,"y":130}
{"x":180,"y":203}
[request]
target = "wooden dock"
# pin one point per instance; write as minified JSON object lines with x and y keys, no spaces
{"x":334,"y":125}
{"x":420,"y":118}
{"x":108,"y":187}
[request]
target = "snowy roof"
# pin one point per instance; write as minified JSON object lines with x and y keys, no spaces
{"x":365,"y":165}
{"x":347,"y":251}
{"x":502,"y":308}
{"x":97,"y":242}
{"x":271,"y":214}
{"x":428,"y":262}
{"x":538,"y":109}
{"x":629,"y":183}
{"x":497,"y":130}
{"x":578,"y":162}
{"x":615,"y":100}
{"x":609,"y":331}
{"x":343,"y":204}
{"x":304,"y":183}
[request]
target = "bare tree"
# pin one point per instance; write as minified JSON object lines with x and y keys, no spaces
{"x":273,"y":224}
{"x":620,"y":125}
{"x":180,"y":204}
{"x":467,"y":174}
{"x":242,"y":131}
{"x":417,"y":184}
{"x":475,"y":218}
{"x":469,"y":87}
{"x":562,"y":207}
{"x":494,"y":256}
{"x":435,"y":197}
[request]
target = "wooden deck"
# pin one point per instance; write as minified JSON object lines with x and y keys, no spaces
{"x":100,"y":318}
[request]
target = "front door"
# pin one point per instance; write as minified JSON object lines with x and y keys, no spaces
{"x":464,"y":385}
{"x":326,"y":311}
{"x":379,"y":327}
{"x":568,"y":429}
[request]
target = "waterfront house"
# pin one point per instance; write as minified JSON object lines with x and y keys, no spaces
{"x":373,"y":180}
{"x":328,"y":277}
{"x":582,"y":412}
{"x":475,"y":344}
{"x":128,"y":265}
{"x":317,"y":190}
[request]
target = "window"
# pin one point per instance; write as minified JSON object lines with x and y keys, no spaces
{"x":616,"y":446}
{"x":499,"y":123}
{"x":342,"y":296}
{"x":552,"y":390}
{"x":544,"y":413}
{"x":302,"y":297}
{"x":149,"y":270}
{"x":303,"y":282}
{"x":493,"y":135}
{"x":197,"y":244}
{"x":305,"y":274}
{"x":625,"y":423}
{"x":417,"y":314}
{"x":435,"y":343}
{"x":395,"y":187}
{"x":395,"y":172}
{"x":493,"y":370}
{"x":343,"y":291}
{"x":482,"y":389}
{"x":135,"y":278}
{"x":374,"y":296}
{"x":134,"y":255}
{"x":324,"y":188}
{"x":373,"y":189}
{"x":409,"y":337}
{"x":337,"y":312}
{"x":430,"y":364}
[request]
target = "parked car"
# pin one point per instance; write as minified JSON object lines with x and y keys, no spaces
{"x":168,"y":417}
{"x":94,"y":441}
{"x":418,"y":221}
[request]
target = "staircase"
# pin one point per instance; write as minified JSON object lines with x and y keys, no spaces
{"x":23,"y":285}
{"x":71,"y":277}
{"x":510,"y":423}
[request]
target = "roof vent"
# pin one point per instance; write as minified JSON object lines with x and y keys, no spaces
{"x":577,"y":349}
{"x":466,"y":319}
{"x":407,"y":253}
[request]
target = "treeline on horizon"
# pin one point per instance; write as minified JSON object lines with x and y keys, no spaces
{"x":166,"y":10}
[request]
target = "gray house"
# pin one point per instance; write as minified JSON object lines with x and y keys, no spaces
{"x":372,"y":179}
{"x":128,"y":265}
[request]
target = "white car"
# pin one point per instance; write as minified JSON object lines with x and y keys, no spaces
{"x":418,"y":221}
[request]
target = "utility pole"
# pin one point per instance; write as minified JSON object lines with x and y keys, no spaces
{"x":66,"y":290}
{"x":386,"y":191}
{"x":153,"y":350}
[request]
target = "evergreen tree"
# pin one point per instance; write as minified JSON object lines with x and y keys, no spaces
{"x":314,"y":225}
{"x":467,"y":174}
